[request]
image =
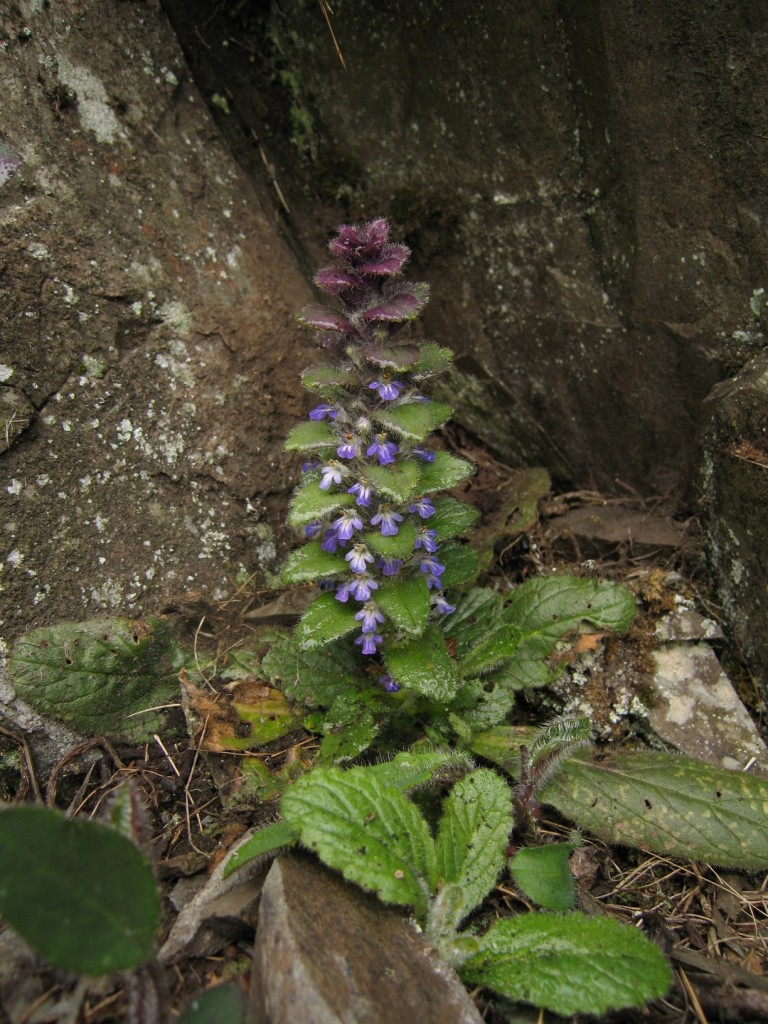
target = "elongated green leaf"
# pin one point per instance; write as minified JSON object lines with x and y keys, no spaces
{"x":326,"y":619}
{"x":79,"y":892}
{"x":367,"y":830}
{"x":406,"y":604}
{"x":319,"y":378}
{"x":266,"y":840}
{"x":94,"y":675}
{"x":399,"y":546}
{"x":311,"y":563}
{"x":445,"y":472}
{"x":423,"y":665}
{"x":398,"y":482}
{"x":451,"y":517}
{"x":311,"y":436}
{"x":473,"y":835}
{"x":415,"y":420}
{"x":569,"y":964}
{"x":309,"y":503}
{"x":409,"y":769}
{"x":543,"y":874}
{"x":462,"y":564}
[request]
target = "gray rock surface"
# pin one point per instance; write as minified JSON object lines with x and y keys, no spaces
{"x":327,"y":953}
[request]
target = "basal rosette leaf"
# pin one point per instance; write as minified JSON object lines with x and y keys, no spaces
{"x":347,"y":738}
{"x":405,"y":604}
{"x":452,"y":517}
{"x":367,"y":830}
{"x":472,"y":837}
{"x":492,"y":651}
{"x":325,"y":620}
{"x":314,"y":435}
{"x":478,"y":613}
{"x":543,"y":874}
{"x":412,"y":768}
{"x":569,"y":964}
{"x":397,"y":482}
{"x":414,"y":420}
{"x":424,"y":665}
{"x":312,"y":677}
{"x":310,"y":504}
{"x":310,"y":563}
{"x":445,"y":472}
{"x":262,"y":842}
{"x":462,"y":564}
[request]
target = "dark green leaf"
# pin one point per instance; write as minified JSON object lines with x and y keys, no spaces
{"x":444,"y":473}
{"x":314,"y":678}
{"x":326,"y":619}
{"x":409,"y":769}
{"x":224,"y":1004}
{"x":77,"y":891}
{"x":405,"y":603}
{"x":414,"y":420}
{"x":542,"y":872}
{"x":462,"y":564}
{"x":266,"y":840}
{"x":433,"y":359}
{"x":311,"y":436}
{"x":423,"y":665}
{"x":311,"y":562}
{"x":478,"y":612}
{"x":569,"y":964}
{"x":451,"y":517}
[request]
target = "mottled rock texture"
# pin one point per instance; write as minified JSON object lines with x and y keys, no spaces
{"x":148,"y":353}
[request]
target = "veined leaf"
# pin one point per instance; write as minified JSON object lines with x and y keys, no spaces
{"x":346,"y":740}
{"x":310,"y":503}
{"x":451,"y":517}
{"x":318,"y":378}
{"x":569,"y":964}
{"x":311,"y":562}
{"x":367,"y":830}
{"x":399,"y":546}
{"x":311,"y":436}
{"x":462,"y":564}
{"x":414,"y":420}
{"x":423,"y":665}
{"x":398,"y":482}
{"x":433,"y":359}
{"x":409,"y":769}
{"x":263,"y":841}
{"x":445,"y":472}
{"x":478,"y":613}
{"x":315,"y":677}
{"x":76,"y":890}
{"x":542,"y":872}
{"x":326,"y":619}
{"x":490,"y":652}
{"x":405,"y":603}
{"x":473,"y":835}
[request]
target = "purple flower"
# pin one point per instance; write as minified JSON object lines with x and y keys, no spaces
{"x":367,"y":642}
{"x":389,"y":566}
{"x":342,"y":591}
{"x":330,"y":541}
{"x":423,"y":506}
{"x":320,"y":412}
{"x":307,"y":467}
{"x":384,"y":450}
{"x":332,"y":473}
{"x":362,"y":491}
{"x":426,"y":539}
{"x":370,"y":616}
{"x":442,"y":606}
{"x":389,"y":683}
{"x":347,"y":523}
{"x":349,"y":447}
{"x":388,"y":390}
{"x":431,"y":566}
{"x":424,"y":453}
{"x":388,"y":520}
{"x":358,"y":557}
{"x":312,"y":530}
{"x":362,"y":587}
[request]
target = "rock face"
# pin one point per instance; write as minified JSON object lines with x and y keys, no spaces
{"x":148,"y":362}
{"x":734,"y":484}
{"x":583,"y":185}
{"x":327,"y":953}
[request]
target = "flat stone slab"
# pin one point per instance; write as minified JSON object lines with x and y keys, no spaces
{"x":328,"y":953}
{"x":592,"y":529}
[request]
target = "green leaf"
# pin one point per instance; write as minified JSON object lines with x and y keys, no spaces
{"x":316,"y":677}
{"x":348,"y":728}
{"x":478,"y":613}
{"x":94,"y":675}
{"x":473,"y":835}
{"x":424,"y":665}
{"x":491,"y":651}
{"x":77,"y":891}
{"x":311,"y":562}
{"x":542,"y":872}
{"x":451,"y":517}
{"x":311,"y":436}
{"x":405,"y":603}
{"x":266,"y":840}
{"x":462,"y":564}
{"x":398,"y":482}
{"x":570,"y":964}
{"x":367,"y":830}
{"x":409,"y":769}
{"x":433,"y":359}
{"x":326,"y":619}
{"x":224,"y":1004}
{"x":399,"y":546}
{"x":309,"y":503}
{"x":414,"y":420}
{"x":444,"y":473}
{"x":668,"y":804}
{"x":319,"y":378}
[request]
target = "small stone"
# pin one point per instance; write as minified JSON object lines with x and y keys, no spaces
{"x":687,"y":624}
{"x":328,"y":953}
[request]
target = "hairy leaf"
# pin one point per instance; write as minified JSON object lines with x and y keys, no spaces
{"x":315,"y":677}
{"x":399,"y":546}
{"x":542,"y":872}
{"x":326,"y":619}
{"x":310,"y":503}
{"x":434,"y":359}
{"x":319,"y":378}
{"x":314,"y":435}
{"x":405,"y":603}
{"x":569,"y":964}
{"x":325,"y":319}
{"x":462,"y":564}
{"x":311,"y":562}
{"x":266,"y":840}
{"x":76,"y":890}
{"x":409,"y":769}
{"x":398,"y":482}
{"x":414,"y":420}
{"x":473,"y":835}
{"x":367,"y":830}
{"x":445,"y":472}
{"x":452,"y":517}
{"x":423,"y":665}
